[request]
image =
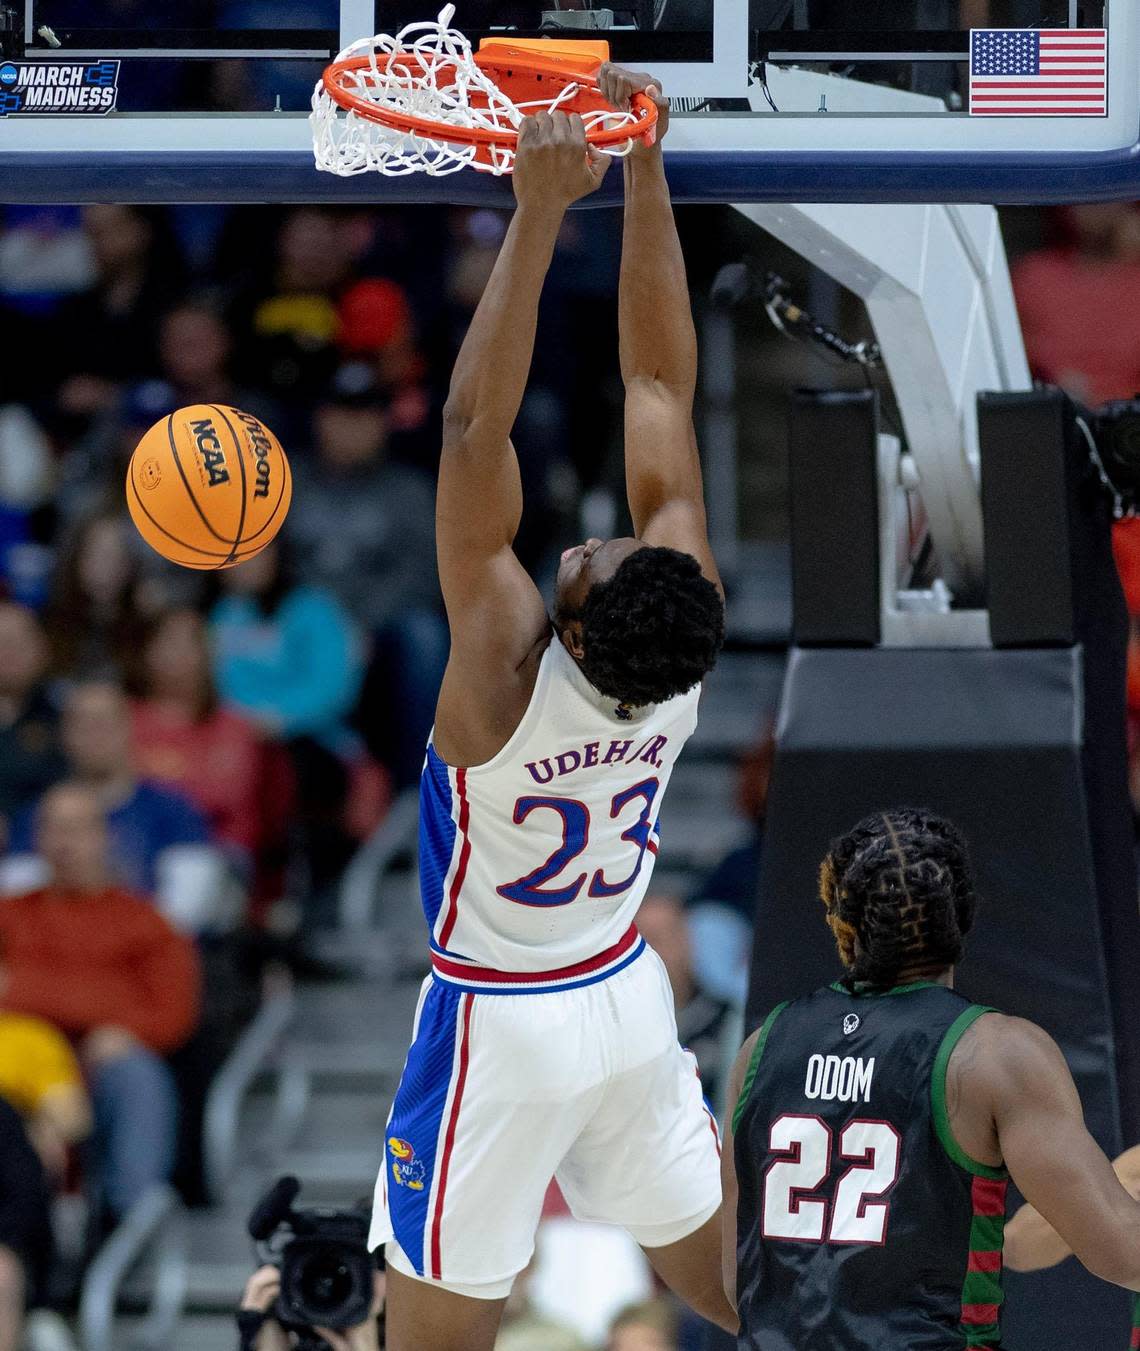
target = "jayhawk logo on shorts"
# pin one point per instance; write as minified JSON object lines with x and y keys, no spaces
{"x":406,"y":1168}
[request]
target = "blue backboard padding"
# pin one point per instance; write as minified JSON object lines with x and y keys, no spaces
{"x":695,"y":176}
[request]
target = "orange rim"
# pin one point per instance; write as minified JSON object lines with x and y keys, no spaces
{"x":505,"y":139}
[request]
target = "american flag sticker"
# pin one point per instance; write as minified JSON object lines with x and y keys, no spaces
{"x":1039,"y":72}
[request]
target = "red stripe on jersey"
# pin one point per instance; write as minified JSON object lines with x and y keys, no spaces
{"x":465,"y":971}
{"x":989,"y":1262}
{"x":464,"y":855}
{"x":989,"y":1196}
{"x":449,"y":1141}
{"x":975,"y":1315}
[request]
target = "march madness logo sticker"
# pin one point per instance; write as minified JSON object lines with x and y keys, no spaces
{"x":89,"y":88}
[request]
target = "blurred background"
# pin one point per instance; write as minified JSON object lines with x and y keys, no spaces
{"x":210,"y":944}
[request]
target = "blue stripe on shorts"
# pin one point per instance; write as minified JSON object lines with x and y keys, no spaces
{"x":414,"y":1129}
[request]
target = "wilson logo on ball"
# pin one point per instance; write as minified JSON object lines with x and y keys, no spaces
{"x":210,"y":451}
{"x":261,"y":449}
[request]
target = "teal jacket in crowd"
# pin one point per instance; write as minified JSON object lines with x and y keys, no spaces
{"x":300,"y":667}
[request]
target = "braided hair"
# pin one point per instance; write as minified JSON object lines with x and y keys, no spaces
{"x":899,"y":894}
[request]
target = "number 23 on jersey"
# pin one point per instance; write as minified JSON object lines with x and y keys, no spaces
{"x":533,"y":888}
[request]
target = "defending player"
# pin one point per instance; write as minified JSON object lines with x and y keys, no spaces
{"x":545,"y":1043}
{"x":878,"y":1121}
{"x":1031,"y":1242}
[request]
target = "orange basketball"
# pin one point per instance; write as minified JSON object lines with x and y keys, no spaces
{"x":208,"y":486}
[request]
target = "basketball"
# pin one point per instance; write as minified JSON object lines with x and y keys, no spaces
{"x":208,"y":486}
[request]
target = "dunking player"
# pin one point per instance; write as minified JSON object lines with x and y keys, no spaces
{"x":545,"y":1043}
{"x":878,"y":1121}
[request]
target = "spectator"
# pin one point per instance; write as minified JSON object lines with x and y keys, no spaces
{"x":89,"y":481}
{"x":365,"y":526}
{"x":105,"y":336}
{"x":143,"y":820}
{"x":41,"y":1078}
{"x":703,"y":1021}
{"x":722,"y":909}
{"x":185,"y":739}
{"x":107,"y":970}
{"x":644,"y":1327}
{"x":261,"y":1331}
{"x":1065,"y":291}
{"x":195,"y":348}
{"x":30,"y":753}
{"x":44,"y":254}
{"x":537,"y":1334}
{"x":26,"y":468}
{"x":376,"y":326}
{"x":288,"y":657}
{"x":285,"y":653}
{"x":286,"y":326}
{"x":26,"y":1246}
{"x":98,"y":604}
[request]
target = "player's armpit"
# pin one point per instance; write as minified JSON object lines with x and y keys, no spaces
{"x":1050,"y":1155}
{"x":729,"y":1185}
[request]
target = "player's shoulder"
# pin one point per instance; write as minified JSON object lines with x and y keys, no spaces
{"x":1005,"y":1048}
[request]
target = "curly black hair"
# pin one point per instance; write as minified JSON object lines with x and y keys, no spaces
{"x":900,"y":883}
{"x":653,"y":629}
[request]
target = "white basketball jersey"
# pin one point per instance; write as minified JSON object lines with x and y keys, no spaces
{"x":535,"y":863}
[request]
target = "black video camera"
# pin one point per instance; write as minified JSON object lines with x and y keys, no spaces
{"x":326,"y":1269}
{"x":1113,"y":432}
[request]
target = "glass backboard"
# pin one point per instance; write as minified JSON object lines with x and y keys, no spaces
{"x":801,"y":100}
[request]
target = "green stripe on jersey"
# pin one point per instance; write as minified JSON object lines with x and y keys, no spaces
{"x":864,"y":990}
{"x":754,"y":1063}
{"x":982,"y":1292}
{"x":953,"y":1036}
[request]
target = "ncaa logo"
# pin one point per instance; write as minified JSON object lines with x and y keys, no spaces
{"x":9,"y":75}
{"x":850,"y":1024}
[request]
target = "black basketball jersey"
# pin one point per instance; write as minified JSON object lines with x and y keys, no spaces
{"x":861,"y":1222}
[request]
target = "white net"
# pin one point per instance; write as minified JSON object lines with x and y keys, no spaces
{"x":436,"y":78}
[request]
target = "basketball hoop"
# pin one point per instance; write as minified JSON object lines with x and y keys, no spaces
{"x":424,"y":102}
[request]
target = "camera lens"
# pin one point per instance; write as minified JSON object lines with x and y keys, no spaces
{"x":327,"y":1283}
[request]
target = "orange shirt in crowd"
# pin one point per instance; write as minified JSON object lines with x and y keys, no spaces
{"x":216,"y":762}
{"x":82,"y":960}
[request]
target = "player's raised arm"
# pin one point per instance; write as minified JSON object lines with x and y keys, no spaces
{"x":1041,"y":1134}
{"x":658,"y":345}
{"x":479,"y":503}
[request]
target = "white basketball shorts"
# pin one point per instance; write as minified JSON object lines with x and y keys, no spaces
{"x":503,"y":1091}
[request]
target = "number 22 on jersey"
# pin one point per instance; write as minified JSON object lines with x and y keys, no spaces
{"x":794,"y":1206}
{"x":533,"y":889}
